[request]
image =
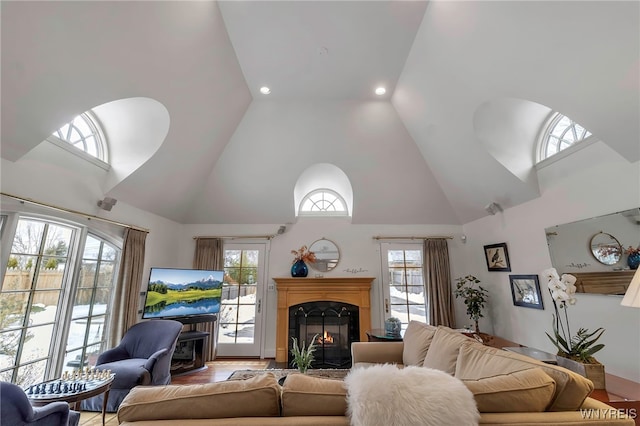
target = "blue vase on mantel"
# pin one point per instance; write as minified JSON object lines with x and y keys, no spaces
{"x":633,"y":260}
{"x":299,"y":269}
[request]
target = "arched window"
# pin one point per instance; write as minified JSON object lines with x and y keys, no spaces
{"x":84,"y":133}
{"x":321,"y":202}
{"x":561,"y":133}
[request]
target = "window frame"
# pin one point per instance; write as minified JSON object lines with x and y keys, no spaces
{"x":387,"y":310}
{"x":321,"y":213}
{"x":55,"y":357}
{"x":545,"y":134}
{"x":92,"y":121}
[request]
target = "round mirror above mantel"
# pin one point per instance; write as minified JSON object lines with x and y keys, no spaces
{"x":606,"y":248}
{"x":327,"y":255}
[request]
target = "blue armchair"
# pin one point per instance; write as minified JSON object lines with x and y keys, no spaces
{"x":143,"y":357}
{"x":15,"y":410}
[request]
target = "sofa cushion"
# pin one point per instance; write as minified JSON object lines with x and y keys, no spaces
{"x":478,"y":361}
{"x":387,"y":395}
{"x":304,"y":395}
{"x":417,"y":339}
{"x":255,"y":397}
{"x":443,"y":351}
{"x":529,"y":390}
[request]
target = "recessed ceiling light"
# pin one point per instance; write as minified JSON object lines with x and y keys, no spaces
{"x":381,"y":91}
{"x":265,"y":90}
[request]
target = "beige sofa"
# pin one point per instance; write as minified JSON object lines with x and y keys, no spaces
{"x":510,"y":389}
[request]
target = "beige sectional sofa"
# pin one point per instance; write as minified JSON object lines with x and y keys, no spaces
{"x":510,"y":389}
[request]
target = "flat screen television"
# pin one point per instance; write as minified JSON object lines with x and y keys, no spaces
{"x":180,"y":293}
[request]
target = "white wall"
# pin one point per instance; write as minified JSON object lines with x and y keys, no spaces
{"x":591,"y":182}
{"x":359,"y":254}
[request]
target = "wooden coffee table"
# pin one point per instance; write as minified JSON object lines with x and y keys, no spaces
{"x":93,"y":387}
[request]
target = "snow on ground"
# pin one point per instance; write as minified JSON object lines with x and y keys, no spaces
{"x":42,"y":337}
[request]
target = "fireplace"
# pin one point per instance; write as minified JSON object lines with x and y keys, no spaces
{"x":332,"y":326}
{"x":297,"y":291}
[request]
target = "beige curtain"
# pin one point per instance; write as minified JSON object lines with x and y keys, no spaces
{"x":438,"y":279}
{"x":209,"y":254}
{"x":124,"y":312}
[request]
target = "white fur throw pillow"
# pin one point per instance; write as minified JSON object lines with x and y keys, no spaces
{"x":387,"y":395}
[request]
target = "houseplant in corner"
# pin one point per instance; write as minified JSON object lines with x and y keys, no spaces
{"x":474,"y":298}
{"x":574,"y":352}
{"x":303,"y":356}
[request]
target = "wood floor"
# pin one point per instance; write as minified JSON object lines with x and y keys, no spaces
{"x":216,"y":371}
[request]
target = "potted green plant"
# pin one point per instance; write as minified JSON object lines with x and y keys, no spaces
{"x":474,"y":298}
{"x":303,"y":356}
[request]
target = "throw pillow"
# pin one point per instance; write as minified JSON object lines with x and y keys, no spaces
{"x":523,"y":391}
{"x":304,"y":395}
{"x":443,"y":352}
{"x":417,"y":338}
{"x":390,"y":396}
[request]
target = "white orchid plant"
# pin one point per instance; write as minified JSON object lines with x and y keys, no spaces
{"x":580,"y":347}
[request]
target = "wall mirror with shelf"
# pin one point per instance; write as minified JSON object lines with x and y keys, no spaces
{"x":594,"y":251}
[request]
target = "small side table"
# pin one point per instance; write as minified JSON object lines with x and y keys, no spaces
{"x":379,"y":335}
{"x":534,"y":353}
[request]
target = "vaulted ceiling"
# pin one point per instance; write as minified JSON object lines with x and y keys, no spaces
{"x":176,"y":87}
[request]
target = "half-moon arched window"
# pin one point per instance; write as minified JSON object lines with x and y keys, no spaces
{"x":321,"y":202}
{"x":561,"y":133}
{"x":84,"y":133}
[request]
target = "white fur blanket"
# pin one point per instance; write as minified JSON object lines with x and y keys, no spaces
{"x":412,"y":396}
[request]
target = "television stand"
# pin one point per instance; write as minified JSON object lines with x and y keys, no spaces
{"x":189,"y":354}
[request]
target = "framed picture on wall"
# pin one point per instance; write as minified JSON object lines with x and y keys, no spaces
{"x":497,"y":257}
{"x":525,"y":290}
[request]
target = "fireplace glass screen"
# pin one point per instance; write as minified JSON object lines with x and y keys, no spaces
{"x":335,"y":327}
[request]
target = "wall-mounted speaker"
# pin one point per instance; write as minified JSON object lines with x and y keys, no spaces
{"x":107,"y":204}
{"x":493,"y":208}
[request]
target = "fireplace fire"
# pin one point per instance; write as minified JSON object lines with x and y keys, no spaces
{"x":325,"y":340}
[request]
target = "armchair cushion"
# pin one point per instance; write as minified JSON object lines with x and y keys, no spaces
{"x":129,"y":373}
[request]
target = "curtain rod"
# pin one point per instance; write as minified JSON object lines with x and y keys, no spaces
{"x":241,"y":237}
{"x":445,"y":237}
{"x":63,"y":209}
